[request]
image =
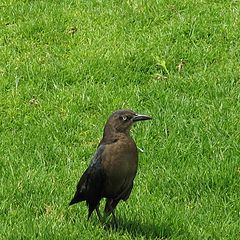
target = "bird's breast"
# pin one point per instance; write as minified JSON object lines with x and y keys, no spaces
{"x":119,"y":162}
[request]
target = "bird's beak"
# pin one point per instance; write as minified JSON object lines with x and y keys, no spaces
{"x":141,"y":118}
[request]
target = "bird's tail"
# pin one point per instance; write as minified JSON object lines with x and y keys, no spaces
{"x":77,"y":198}
{"x":73,"y":201}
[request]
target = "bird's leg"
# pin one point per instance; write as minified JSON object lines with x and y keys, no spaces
{"x":99,"y":215}
{"x":111,"y":211}
{"x":107,"y":215}
{"x":114,"y":218}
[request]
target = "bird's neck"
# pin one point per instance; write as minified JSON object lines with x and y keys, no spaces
{"x":111,"y":134}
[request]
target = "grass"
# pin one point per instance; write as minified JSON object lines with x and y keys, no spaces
{"x":66,"y":65}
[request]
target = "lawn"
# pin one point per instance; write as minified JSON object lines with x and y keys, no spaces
{"x":65,"y":66}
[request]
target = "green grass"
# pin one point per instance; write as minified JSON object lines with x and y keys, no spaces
{"x":66,"y":65}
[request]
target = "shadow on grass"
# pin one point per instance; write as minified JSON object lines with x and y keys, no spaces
{"x":146,"y":230}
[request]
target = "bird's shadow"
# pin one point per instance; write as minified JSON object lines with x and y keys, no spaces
{"x":146,"y":230}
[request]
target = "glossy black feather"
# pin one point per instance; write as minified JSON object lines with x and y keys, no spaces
{"x":90,"y":185}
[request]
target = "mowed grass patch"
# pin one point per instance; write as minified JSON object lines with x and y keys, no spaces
{"x":65,"y":66}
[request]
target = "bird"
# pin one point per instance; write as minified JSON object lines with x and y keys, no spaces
{"x":112,"y":170}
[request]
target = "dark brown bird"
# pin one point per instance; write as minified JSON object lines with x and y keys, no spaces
{"x":113,"y":168}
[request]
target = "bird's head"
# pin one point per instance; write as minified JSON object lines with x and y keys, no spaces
{"x":122,"y":120}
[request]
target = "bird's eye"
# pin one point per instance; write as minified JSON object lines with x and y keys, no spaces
{"x":124,"y":118}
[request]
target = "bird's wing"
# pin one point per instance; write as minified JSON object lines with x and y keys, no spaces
{"x":90,"y":185}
